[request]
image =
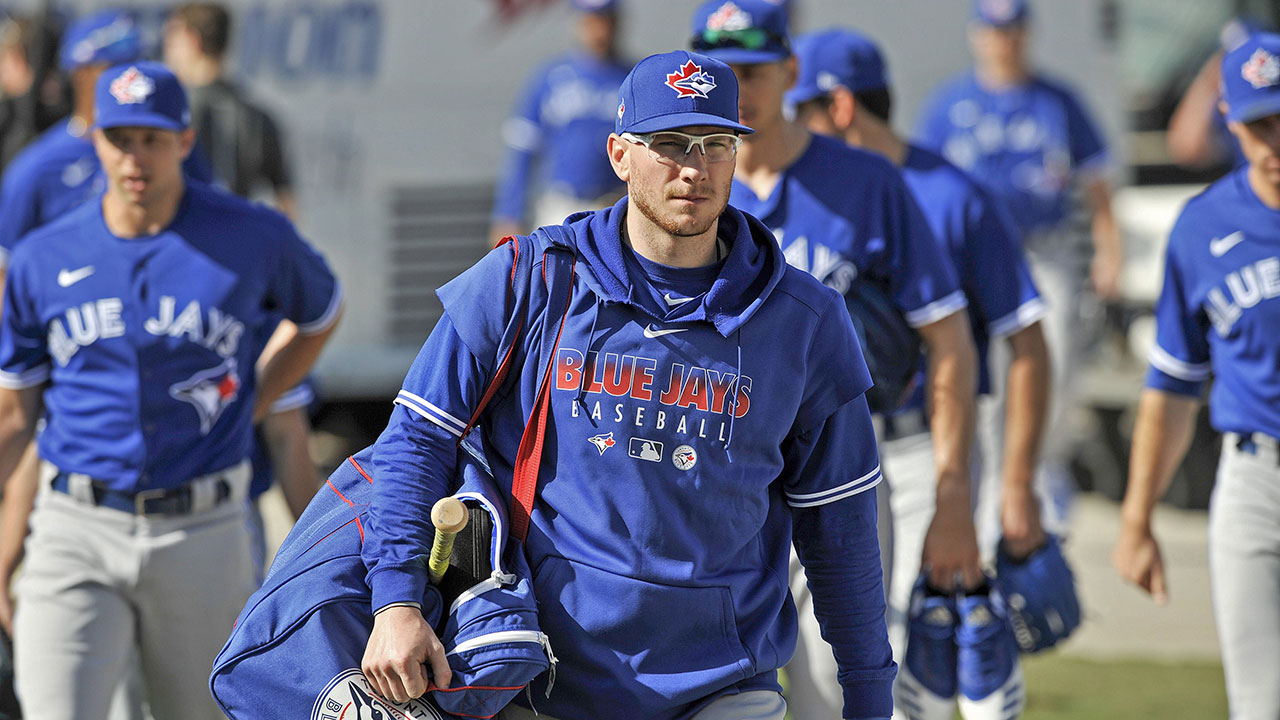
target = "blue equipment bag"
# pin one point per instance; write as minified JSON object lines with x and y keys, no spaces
{"x":301,"y":637}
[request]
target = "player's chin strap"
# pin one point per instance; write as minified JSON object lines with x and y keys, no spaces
{"x":524,"y":484}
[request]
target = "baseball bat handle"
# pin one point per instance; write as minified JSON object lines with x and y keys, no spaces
{"x":449,"y":516}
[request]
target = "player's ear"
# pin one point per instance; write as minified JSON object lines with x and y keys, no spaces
{"x":844,"y":108}
{"x":188,"y":140}
{"x":619,"y":158}
{"x":791,"y":67}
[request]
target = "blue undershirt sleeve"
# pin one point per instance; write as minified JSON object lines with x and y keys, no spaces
{"x":838,"y":545}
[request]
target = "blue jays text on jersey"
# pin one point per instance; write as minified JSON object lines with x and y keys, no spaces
{"x":562,"y":122}
{"x":841,"y":213}
{"x":692,"y":412}
{"x":145,"y":340}
{"x":1217,"y":313}
{"x":1025,"y":144}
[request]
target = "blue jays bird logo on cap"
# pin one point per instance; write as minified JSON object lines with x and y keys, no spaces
{"x":132,"y":87}
{"x":1262,"y":69}
{"x":729,"y":17}
{"x":690,"y":81}
{"x":209,"y":392}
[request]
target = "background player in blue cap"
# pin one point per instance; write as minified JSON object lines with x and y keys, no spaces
{"x":1217,"y":317}
{"x":1029,"y":141}
{"x":128,"y":321}
{"x":59,"y":170}
{"x":843,"y":91}
{"x":554,"y":165}
{"x":55,"y":172}
{"x":660,"y":571}
{"x":842,"y":214}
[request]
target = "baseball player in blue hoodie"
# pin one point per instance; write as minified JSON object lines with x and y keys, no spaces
{"x":1217,"y":317}
{"x":707,"y":411}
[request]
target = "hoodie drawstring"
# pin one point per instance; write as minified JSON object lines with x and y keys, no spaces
{"x":737,"y":386}
{"x":586,"y":365}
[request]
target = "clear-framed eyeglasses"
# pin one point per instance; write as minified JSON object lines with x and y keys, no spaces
{"x":676,"y":146}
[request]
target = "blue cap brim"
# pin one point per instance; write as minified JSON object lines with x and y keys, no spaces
{"x":1260,"y":108}
{"x":142,"y":119}
{"x":743,"y":56}
{"x":686,"y":119}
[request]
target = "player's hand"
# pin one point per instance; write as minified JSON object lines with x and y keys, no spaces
{"x":951,"y":548}
{"x":400,"y":646}
{"x":1020,"y":521}
{"x":1105,"y":274}
{"x":1137,"y":558}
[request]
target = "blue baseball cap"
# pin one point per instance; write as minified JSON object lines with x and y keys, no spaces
{"x":601,"y":7}
{"x":836,"y":58}
{"x":104,"y":38}
{"x":141,"y":94}
{"x":678,"y":89}
{"x":1251,"y":78}
{"x":1000,"y":13}
{"x":745,"y":32}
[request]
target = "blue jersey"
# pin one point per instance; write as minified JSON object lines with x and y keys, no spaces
{"x":53,"y":175}
{"x":1026,"y":144}
{"x":146,"y":343}
{"x":1218,"y":310}
{"x":979,"y":238}
{"x":561,"y":125}
{"x":841,"y":213}
{"x":56,"y":173}
{"x":693,"y":415}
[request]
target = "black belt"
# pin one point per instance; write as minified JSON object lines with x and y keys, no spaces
{"x":161,"y":501}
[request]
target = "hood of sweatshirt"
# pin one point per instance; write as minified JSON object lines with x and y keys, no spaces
{"x":752,"y":268}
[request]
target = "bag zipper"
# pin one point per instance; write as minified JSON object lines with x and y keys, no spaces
{"x":509,"y":636}
{"x":493,"y":582}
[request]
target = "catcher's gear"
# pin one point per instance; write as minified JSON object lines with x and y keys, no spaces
{"x":890,"y":346}
{"x":1041,"y":595}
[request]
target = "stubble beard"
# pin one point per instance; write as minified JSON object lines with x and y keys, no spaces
{"x":671,"y":224}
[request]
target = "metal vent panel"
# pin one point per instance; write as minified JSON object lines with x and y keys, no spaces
{"x":436,"y":232}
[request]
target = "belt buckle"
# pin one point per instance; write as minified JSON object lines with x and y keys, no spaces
{"x":140,"y":499}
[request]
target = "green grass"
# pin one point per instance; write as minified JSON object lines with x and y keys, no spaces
{"x":1062,"y":688}
{"x":1074,"y":689}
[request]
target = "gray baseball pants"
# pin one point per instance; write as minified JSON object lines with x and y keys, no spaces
{"x":1244,"y":566}
{"x":99,"y":582}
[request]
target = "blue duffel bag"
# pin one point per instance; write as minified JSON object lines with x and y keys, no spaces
{"x":300,"y":638}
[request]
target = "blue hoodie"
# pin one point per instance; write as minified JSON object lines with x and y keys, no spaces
{"x":698,"y":417}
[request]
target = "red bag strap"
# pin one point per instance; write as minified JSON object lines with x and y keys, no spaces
{"x":524,"y":485}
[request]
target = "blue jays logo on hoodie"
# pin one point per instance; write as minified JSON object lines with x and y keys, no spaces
{"x":349,"y":697}
{"x":209,"y":392}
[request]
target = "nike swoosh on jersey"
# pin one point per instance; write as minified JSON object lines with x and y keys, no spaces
{"x":651,"y":332}
{"x":672,"y":302}
{"x":1219,"y":246}
{"x":67,"y":278}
